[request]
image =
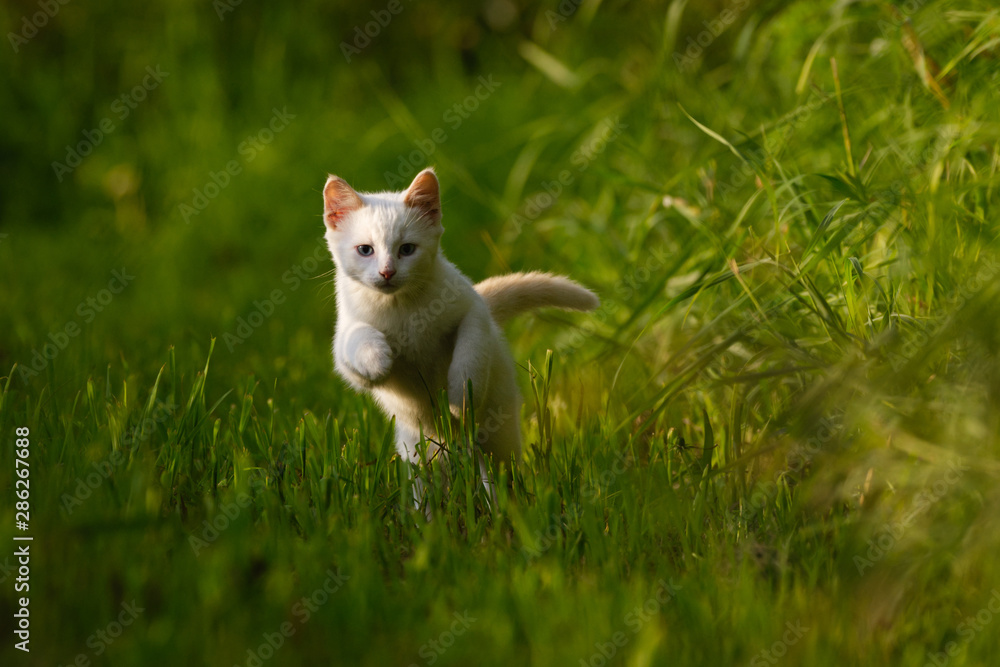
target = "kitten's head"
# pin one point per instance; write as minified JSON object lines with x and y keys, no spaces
{"x":386,"y":241}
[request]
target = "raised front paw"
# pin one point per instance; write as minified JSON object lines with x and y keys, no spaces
{"x":373,"y":359}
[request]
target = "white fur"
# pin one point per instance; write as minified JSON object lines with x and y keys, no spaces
{"x":427,"y":329}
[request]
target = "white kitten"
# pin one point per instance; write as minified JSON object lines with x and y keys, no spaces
{"x":410,"y":325}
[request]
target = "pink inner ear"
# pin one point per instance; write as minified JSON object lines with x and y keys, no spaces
{"x":423,"y":195}
{"x":339,"y":199}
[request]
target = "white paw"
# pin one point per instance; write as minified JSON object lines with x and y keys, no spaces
{"x":374,"y":359}
{"x":456,"y":399}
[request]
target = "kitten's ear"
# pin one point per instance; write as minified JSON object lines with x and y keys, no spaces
{"x":424,"y":195}
{"x":339,"y":199}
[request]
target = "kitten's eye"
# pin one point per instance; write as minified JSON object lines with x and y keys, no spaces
{"x":407,"y":249}
{"x":365,"y":250}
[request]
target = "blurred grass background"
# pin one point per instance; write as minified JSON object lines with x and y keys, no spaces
{"x":786,"y":407}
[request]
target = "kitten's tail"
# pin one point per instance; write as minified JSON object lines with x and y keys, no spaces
{"x":516,"y":293}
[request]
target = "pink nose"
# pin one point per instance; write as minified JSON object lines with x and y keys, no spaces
{"x":387,"y":274}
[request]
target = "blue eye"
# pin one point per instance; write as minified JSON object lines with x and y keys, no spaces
{"x":365,"y":250}
{"x":407,"y":249}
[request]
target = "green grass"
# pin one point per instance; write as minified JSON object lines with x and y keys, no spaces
{"x":775,"y":443}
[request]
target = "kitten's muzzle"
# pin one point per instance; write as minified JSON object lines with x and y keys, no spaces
{"x":386,"y":287}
